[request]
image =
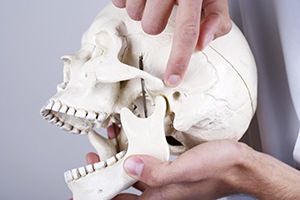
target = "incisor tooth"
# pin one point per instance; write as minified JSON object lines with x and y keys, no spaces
{"x":75,"y":174}
{"x":91,"y":116}
{"x":56,"y":106}
{"x":49,"y":105}
{"x":111,"y":161}
{"x":49,"y":116}
{"x":68,"y":176}
{"x":82,"y":171}
{"x":54,"y":120}
{"x":100,"y":165}
{"x":45,"y":112}
{"x":63,"y":109}
{"x":80,"y":113}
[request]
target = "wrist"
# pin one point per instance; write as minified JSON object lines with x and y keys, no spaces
{"x":263,"y":176}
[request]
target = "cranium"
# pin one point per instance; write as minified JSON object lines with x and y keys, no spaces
{"x":102,"y":84}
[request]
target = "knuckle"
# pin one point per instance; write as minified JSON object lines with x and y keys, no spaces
{"x":226,"y":26}
{"x":155,"y":180}
{"x":190,"y":33}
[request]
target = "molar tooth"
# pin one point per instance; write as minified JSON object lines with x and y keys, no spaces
{"x":64,"y":109}
{"x":91,"y":116}
{"x":111,"y":161}
{"x":80,"y":113}
{"x":84,"y":132}
{"x":68,"y":176}
{"x":102,"y":117}
{"x":59,"y":124}
{"x":75,"y":130}
{"x":67,"y":127}
{"x":49,"y":105}
{"x":120,"y":155}
{"x":56,"y":106}
{"x":100,"y":165}
{"x":89,"y":168}
{"x":75,"y":174}
{"x":71,"y":111}
{"x":82,"y":171}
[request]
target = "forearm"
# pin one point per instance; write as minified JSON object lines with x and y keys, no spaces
{"x":265,"y":177}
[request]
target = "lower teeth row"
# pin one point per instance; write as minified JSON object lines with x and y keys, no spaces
{"x":77,"y":173}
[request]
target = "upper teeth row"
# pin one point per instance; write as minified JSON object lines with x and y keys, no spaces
{"x":57,"y":106}
{"x":77,"y":173}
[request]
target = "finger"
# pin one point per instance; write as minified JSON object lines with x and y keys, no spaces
{"x":208,"y":189}
{"x":92,"y":158}
{"x":126,"y":197}
{"x":186,"y":34}
{"x":150,"y":170}
{"x":156,"y":15}
{"x":171,"y":192}
{"x":135,"y":9}
{"x":119,"y":3}
{"x":216,"y":22}
{"x":140,"y":186}
{"x":207,"y":159}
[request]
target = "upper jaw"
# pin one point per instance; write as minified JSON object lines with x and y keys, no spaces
{"x":76,"y":120}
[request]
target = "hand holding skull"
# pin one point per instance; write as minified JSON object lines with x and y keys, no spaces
{"x":198,"y":22}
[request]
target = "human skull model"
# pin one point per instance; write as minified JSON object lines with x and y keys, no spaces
{"x":102,"y":84}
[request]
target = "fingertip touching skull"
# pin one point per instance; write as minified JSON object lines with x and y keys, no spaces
{"x":102,"y":85}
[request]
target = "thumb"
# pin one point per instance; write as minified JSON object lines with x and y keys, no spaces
{"x":150,"y":170}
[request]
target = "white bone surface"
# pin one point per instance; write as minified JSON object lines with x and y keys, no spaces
{"x":111,"y":180}
{"x":216,"y":99}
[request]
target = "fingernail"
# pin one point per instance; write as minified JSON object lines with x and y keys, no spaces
{"x":207,"y":40}
{"x":173,"y":80}
{"x":134,"y":166}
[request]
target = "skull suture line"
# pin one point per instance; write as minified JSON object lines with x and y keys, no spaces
{"x":216,"y":99}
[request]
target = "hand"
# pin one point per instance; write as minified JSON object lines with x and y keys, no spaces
{"x":204,"y":172}
{"x":198,"y":22}
{"x":213,"y":170}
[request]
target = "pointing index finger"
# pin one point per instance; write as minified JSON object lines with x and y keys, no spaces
{"x":187,"y":28}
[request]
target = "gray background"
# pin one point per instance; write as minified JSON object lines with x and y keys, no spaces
{"x":33,"y":153}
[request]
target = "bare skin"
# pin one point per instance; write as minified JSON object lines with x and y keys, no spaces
{"x":198,"y":22}
{"x":213,"y":170}
{"x":209,"y":171}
